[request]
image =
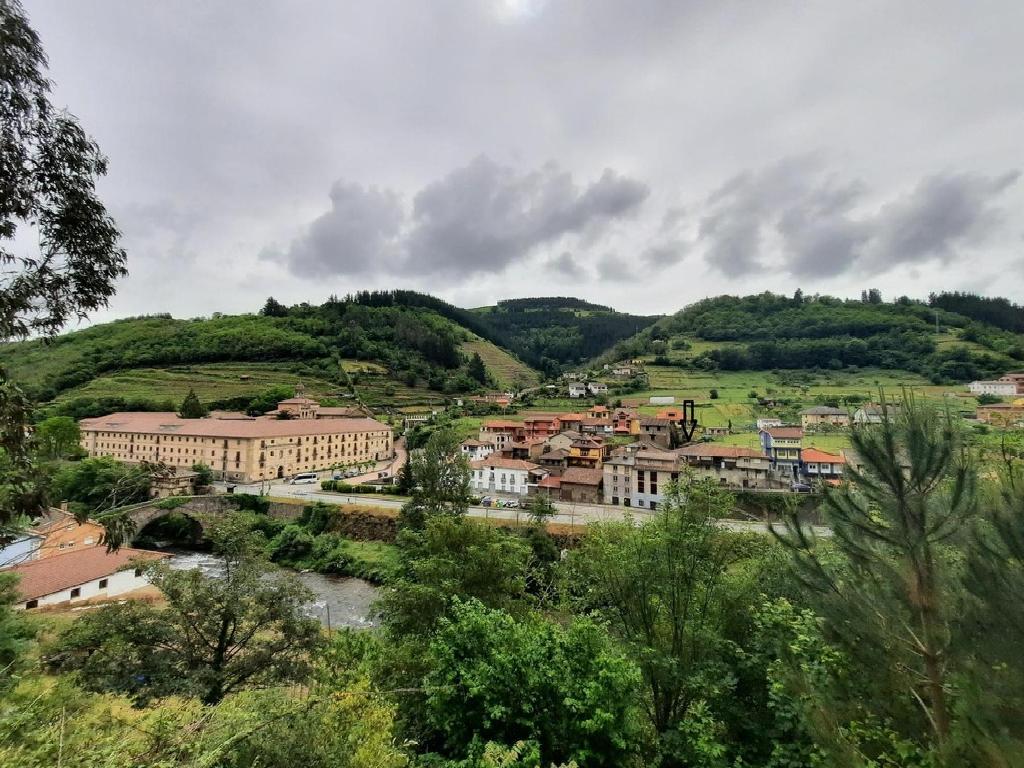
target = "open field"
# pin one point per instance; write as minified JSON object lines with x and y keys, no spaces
{"x":506,"y":369}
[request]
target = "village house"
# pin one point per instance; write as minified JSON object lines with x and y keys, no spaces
{"x":625,"y":422}
{"x":768,"y":421}
{"x":528,"y":450}
{"x":729,"y":465}
{"x":242,"y":450}
{"x":823,"y":415}
{"x":1005,"y":387}
{"x":570,"y":421}
{"x":821,"y":465}
{"x":474,"y":450}
{"x":657,"y":431}
{"x":581,"y":485}
{"x":541,"y":427}
{"x":599,"y":412}
{"x":496,"y":474}
{"x":635,"y":475}
{"x":597,"y":388}
{"x":81,"y":576}
{"x":566,"y":438}
{"x":501,"y":433}
{"x":577,"y":390}
{"x":554,"y":461}
{"x":1001,"y":414}
{"x":782,"y":446}
{"x":181,"y":482}
{"x":585,"y":453}
{"x":596,"y":426}
{"x":55,"y":532}
{"x":715,"y":431}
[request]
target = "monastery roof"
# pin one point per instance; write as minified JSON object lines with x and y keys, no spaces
{"x":171,"y":424}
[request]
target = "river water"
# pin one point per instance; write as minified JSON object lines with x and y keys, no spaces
{"x":340,"y":601}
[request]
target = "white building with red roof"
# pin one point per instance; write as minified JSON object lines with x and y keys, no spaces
{"x":88,"y":575}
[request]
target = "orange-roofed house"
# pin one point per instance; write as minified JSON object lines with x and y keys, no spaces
{"x":582,"y":485}
{"x":88,"y":575}
{"x":821,"y":465}
{"x":571,"y":421}
{"x":598,"y":412}
{"x":585,"y":453}
{"x":625,"y":422}
{"x":541,"y":427}
{"x":501,"y":432}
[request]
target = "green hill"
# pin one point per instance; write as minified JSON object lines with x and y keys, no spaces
{"x":558,"y":332}
{"x":768,"y":332}
{"x":399,"y":349}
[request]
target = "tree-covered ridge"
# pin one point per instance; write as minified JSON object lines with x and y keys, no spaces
{"x":768,"y":331}
{"x":553,"y":333}
{"x":997,"y":311}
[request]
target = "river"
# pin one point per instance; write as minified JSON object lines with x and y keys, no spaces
{"x":340,"y":601}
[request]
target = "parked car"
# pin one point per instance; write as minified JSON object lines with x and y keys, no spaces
{"x":305,"y":477}
{"x":337,"y":476}
{"x":485,"y":501}
{"x":351,"y":473}
{"x":800,"y":488}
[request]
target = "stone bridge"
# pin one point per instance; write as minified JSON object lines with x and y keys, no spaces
{"x":195,"y":507}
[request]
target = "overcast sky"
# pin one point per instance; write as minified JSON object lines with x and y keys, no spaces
{"x":638,"y":154}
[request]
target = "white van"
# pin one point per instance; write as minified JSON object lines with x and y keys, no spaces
{"x":305,"y":477}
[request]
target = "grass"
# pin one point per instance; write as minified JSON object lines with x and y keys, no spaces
{"x":506,"y":369}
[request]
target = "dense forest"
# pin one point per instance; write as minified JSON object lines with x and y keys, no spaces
{"x":997,"y":311}
{"x":770,"y":331}
{"x":554,"y":333}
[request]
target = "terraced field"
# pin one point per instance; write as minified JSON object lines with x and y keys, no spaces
{"x":507,"y":370}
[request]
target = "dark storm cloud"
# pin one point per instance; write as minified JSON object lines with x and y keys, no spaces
{"x":664,"y":254}
{"x":821,"y":226}
{"x":611,"y":267}
{"x":478,"y":219}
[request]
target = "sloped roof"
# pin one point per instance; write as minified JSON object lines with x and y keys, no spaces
{"x":59,"y":572}
{"x":170,"y":423}
{"x":823,"y":410}
{"x":581,"y":476}
{"x":500,"y":462}
{"x":821,"y":457}
{"x":785,"y":432}
{"x":718,"y":451}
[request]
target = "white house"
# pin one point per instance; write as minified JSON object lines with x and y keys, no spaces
{"x":597,"y":388}
{"x":577,"y":390}
{"x":496,"y":474}
{"x":474,"y":450}
{"x":1001,"y":388}
{"x":81,"y":576}
{"x":765,"y":422}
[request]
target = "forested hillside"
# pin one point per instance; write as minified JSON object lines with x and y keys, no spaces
{"x":997,"y":311}
{"x":769,"y":331}
{"x":415,"y":340}
{"x":553,"y":333}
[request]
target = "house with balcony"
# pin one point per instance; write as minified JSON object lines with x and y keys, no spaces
{"x":782,"y":447}
{"x":474,"y":450}
{"x":541,"y":427}
{"x":501,"y":432}
{"x":496,"y":474}
{"x":625,"y":422}
{"x":823,"y":416}
{"x":728,"y":465}
{"x":585,"y":453}
{"x":636,"y":475}
{"x":821,"y":466}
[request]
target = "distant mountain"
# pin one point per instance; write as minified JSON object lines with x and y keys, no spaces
{"x":553,"y":333}
{"x":769,"y":331}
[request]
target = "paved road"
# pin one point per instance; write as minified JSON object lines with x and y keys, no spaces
{"x":568,"y":514}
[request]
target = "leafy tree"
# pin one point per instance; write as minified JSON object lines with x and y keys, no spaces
{"x":889,"y":588}
{"x":268,"y":399}
{"x":14,"y":634}
{"x":476,"y":369}
{"x":48,"y":190}
{"x":986,"y":399}
{"x":100,"y":484}
{"x":660,"y":586}
{"x":453,"y":558}
{"x":191,"y":408}
{"x":495,"y":678}
{"x":405,"y":480}
{"x":216,"y":635}
{"x":442,"y":480}
{"x":204,"y":475}
{"x":714,"y":394}
{"x":57,"y":437}
{"x":274,"y":308}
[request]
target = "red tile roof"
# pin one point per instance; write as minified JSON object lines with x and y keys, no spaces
{"x":172,"y":424}
{"x":502,"y":424}
{"x":821,"y":457}
{"x":551,"y":481}
{"x":580,"y":476}
{"x":785,"y":432}
{"x":59,"y":572}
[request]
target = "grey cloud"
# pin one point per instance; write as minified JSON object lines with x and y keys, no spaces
{"x":611,"y":267}
{"x":483,"y":217}
{"x":664,"y":254}
{"x":478,"y":219}
{"x":567,"y":266}
{"x":356,"y":236}
{"x":821,"y":226}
